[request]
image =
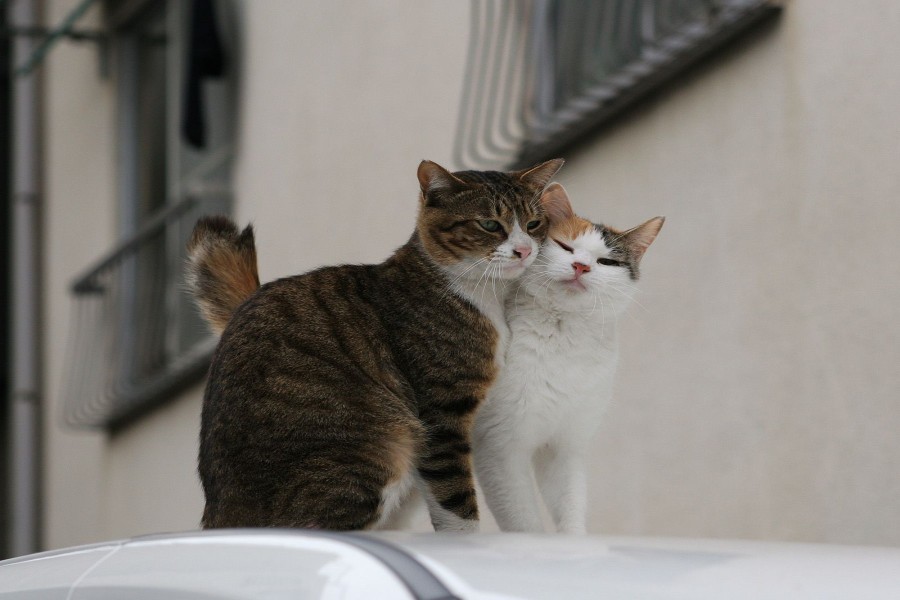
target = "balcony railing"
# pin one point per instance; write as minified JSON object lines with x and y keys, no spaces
{"x":136,"y":337}
{"x":543,"y":74}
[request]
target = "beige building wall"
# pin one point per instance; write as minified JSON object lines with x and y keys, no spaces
{"x":79,"y":225}
{"x":760,"y":390}
{"x":758,"y":394}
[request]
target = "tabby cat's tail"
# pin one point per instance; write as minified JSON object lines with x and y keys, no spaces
{"x":221,"y":268}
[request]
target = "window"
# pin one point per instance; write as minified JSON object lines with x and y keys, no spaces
{"x":543,"y":74}
{"x":137,"y":337}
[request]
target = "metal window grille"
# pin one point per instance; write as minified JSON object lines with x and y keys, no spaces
{"x":541,"y":74}
{"x":136,"y":338}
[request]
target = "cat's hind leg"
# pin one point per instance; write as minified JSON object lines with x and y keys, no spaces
{"x":351,"y":476}
{"x":401,"y":443}
{"x":408,"y":513}
{"x":398,"y":501}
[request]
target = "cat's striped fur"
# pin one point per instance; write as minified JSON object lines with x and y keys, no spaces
{"x":331,"y":392}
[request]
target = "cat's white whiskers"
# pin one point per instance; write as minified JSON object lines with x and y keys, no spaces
{"x":624,"y":286}
{"x":632,"y":297}
{"x":458,"y":278}
{"x":530,"y":276}
{"x":635,"y":302}
{"x":467,"y":270}
{"x":595,"y":294}
{"x":494,"y":278}
{"x":482,"y":277}
{"x":488,"y":275}
{"x":536,"y":274}
{"x":470,"y":267}
{"x":495,"y":275}
{"x":545,"y":288}
{"x":479,"y":282}
{"x":598,"y":296}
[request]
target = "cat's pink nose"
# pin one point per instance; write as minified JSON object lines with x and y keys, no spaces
{"x":522,"y":251}
{"x":580,"y":268}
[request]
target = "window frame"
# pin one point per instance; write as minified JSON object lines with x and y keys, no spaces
{"x":510,"y":116}
{"x":110,"y":317}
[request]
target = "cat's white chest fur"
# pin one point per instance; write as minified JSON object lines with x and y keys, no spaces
{"x":558,"y":375}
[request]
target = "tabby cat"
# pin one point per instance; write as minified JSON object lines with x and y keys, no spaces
{"x":332,"y":393}
{"x":547,"y":402}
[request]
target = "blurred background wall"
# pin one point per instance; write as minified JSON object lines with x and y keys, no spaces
{"x":758,"y":390}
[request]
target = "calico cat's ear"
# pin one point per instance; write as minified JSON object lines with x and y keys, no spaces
{"x":435,"y":178}
{"x":556,"y":203}
{"x":639,"y":238}
{"x":540,"y":175}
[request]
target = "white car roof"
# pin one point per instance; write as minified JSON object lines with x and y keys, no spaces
{"x":553,"y":567}
{"x":239,"y":564}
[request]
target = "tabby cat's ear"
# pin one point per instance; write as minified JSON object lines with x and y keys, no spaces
{"x":540,"y":175}
{"x":556,"y":203}
{"x":639,"y":238}
{"x":435,"y":178}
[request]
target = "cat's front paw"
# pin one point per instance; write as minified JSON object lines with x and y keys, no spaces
{"x":444,"y":520}
{"x":572,"y":529}
{"x":461,"y":526}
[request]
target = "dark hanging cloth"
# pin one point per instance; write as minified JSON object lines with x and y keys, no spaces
{"x":205,"y":59}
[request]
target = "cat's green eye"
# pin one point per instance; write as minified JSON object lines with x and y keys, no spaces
{"x":490,"y":225}
{"x":532,"y":225}
{"x":609,"y":262}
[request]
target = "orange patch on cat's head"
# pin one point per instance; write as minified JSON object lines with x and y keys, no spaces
{"x":570,"y":228}
{"x":564,"y":223}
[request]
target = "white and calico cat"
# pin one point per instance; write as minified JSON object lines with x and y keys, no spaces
{"x":546,"y":404}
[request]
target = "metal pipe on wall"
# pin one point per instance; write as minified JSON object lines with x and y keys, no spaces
{"x":25,"y":397}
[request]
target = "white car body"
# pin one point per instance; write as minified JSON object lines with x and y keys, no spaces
{"x":279,"y":564}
